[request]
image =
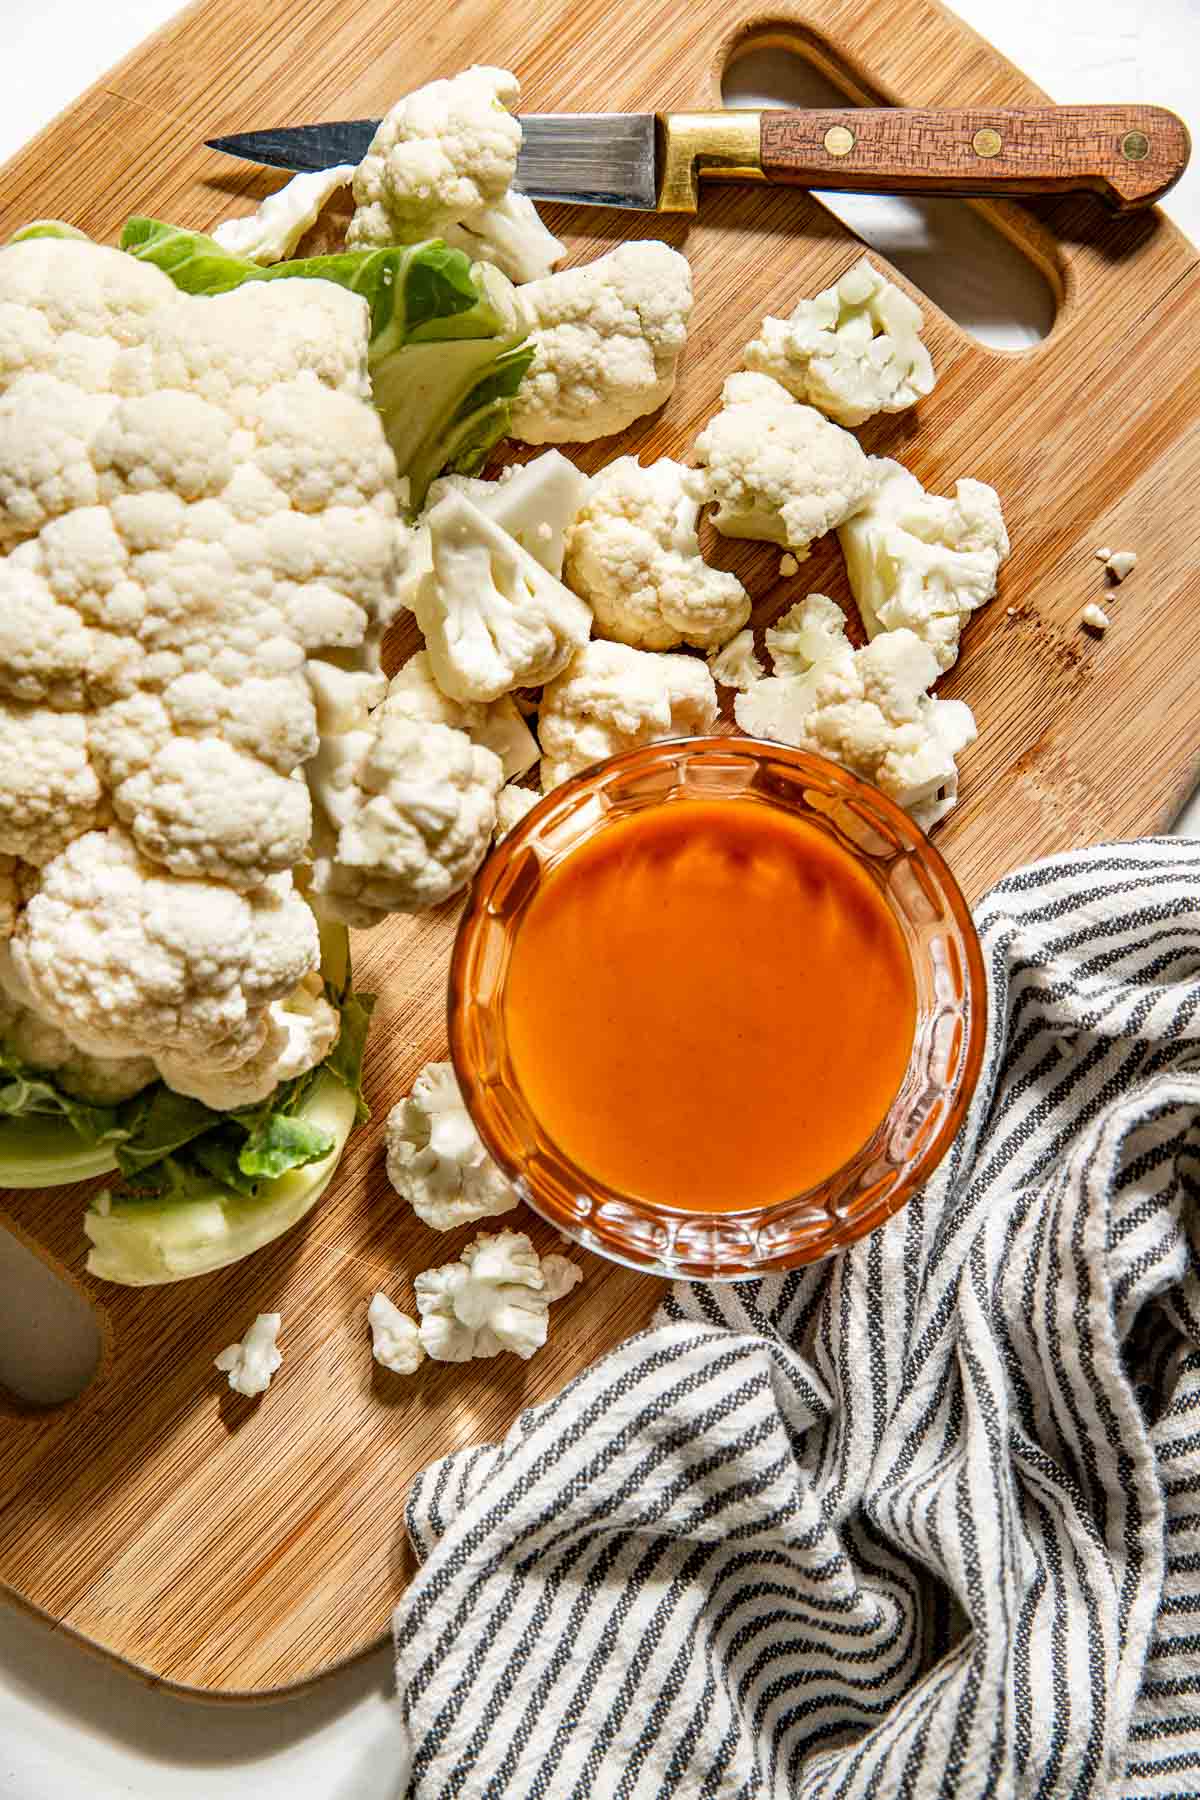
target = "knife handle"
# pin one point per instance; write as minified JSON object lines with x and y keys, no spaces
{"x":1129,"y":155}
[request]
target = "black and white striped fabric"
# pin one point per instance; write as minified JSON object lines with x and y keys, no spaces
{"x":920,"y":1520}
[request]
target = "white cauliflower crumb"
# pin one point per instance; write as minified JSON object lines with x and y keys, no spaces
{"x":496,"y":1297}
{"x":272,"y":231}
{"x":606,"y":339}
{"x":788,"y":566}
{"x":395,"y":1338}
{"x":1121,"y":563}
{"x":777,"y":470}
{"x":1103,"y":554}
{"x":441,"y":164}
{"x":1095,"y":616}
{"x":251,"y":1364}
{"x":435,"y":1158}
{"x":512,"y":804}
{"x":736,"y":665}
{"x":613,"y":698}
{"x":923,"y":562}
{"x":853,"y":351}
{"x":868,"y":709}
{"x":634,"y":555}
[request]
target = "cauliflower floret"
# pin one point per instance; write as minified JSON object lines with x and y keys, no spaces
{"x":497,"y":1297}
{"x":441,"y":164}
{"x":614,"y":698}
{"x":919,"y":561}
{"x":512,"y":804}
{"x":251,"y":1364}
{"x":736,"y":665}
{"x":494,"y":619}
{"x":46,"y":468}
{"x":395,"y":1338}
{"x":777,"y":470}
{"x":868,"y":709}
{"x":203,"y":808}
{"x":435,"y":1159}
{"x":272,"y":231}
{"x":534,"y":504}
{"x":413,"y":693}
{"x":405,"y":812}
{"x":105,"y":1080}
{"x":301,"y":1031}
{"x":634,"y":555}
{"x":853,"y":351}
{"x":606,"y":339}
{"x":560,"y":1275}
{"x":49,"y":791}
{"x":130,"y":961}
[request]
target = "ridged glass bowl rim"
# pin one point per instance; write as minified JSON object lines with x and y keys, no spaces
{"x":608,"y":1241}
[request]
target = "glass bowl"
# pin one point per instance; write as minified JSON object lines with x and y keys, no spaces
{"x":943,"y":1066}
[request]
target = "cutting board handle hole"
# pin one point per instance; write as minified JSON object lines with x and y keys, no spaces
{"x":946,"y":248}
{"x":50,"y":1340}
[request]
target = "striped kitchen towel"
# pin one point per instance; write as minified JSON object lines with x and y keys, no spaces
{"x":920,"y":1520}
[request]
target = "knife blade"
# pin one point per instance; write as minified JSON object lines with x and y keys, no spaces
{"x":1130,"y":155}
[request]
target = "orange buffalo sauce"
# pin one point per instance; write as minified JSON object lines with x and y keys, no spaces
{"x":709,"y":1005}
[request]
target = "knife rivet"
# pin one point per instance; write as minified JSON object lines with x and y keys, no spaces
{"x":1135,"y":145}
{"x":839,"y":140}
{"x":987,"y":142}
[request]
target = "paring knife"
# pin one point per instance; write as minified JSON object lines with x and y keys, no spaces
{"x":1129,"y":155}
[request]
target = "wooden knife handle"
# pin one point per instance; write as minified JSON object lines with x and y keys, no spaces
{"x":1130,"y":155}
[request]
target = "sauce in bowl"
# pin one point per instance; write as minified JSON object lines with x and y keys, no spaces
{"x":710,"y":1005}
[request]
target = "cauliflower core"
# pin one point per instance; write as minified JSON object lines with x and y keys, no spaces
{"x":606,"y":339}
{"x":634,"y":555}
{"x":777,"y":470}
{"x":868,"y":709}
{"x":614,"y":698}
{"x":853,"y":351}
{"x":435,"y":1159}
{"x":921,"y":562}
{"x":441,"y":164}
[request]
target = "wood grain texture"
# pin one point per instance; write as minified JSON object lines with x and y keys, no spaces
{"x":238,"y":1548}
{"x":1130,"y":155}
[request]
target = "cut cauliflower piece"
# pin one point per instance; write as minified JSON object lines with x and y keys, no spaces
{"x":512,"y":804}
{"x":606,"y":338}
{"x":271,"y":232}
{"x":494,"y":619}
{"x":534,"y":504}
{"x":634,"y":555}
{"x":395,"y":1338}
{"x":413,"y":693}
{"x":251,"y":1364}
{"x":777,"y":470}
{"x":49,"y":790}
{"x":128,"y":960}
{"x":853,"y":351}
{"x":614,"y":698}
{"x":496,"y":1297}
{"x":301,"y":1031}
{"x":918,"y":561}
{"x":869,"y":710}
{"x":560,"y":1275}
{"x":435,"y":1159}
{"x":736,"y":665}
{"x":441,"y":164}
{"x":404,"y":814}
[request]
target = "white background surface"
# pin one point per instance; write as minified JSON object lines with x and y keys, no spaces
{"x":69,"y":1722}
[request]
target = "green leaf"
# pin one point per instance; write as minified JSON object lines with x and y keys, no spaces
{"x":345,"y":1060}
{"x":445,"y":353}
{"x":163,"y":1123}
{"x":31,"y":1093}
{"x":48,"y":228}
{"x":283,"y":1142}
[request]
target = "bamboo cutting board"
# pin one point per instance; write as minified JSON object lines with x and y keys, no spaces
{"x":238,"y":1548}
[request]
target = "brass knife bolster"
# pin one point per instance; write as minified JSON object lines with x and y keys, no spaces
{"x":721,"y":146}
